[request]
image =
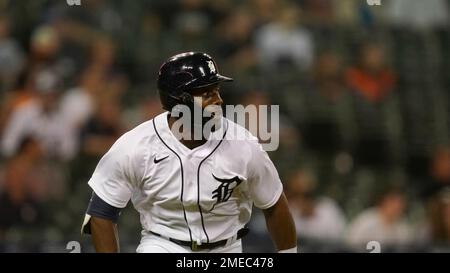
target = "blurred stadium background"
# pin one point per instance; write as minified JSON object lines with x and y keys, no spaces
{"x":363,"y":92}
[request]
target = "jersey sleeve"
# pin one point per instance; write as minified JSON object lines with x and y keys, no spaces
{"x":116,"y":174}
{"x":265,"y":186}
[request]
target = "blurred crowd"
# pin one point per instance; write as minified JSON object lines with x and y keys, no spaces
{"x":363,"y":91}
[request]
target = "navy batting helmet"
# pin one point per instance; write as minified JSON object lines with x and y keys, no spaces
{"x":184,"y":72}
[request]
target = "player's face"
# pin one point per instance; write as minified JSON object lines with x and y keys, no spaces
{"x":209,"y":95}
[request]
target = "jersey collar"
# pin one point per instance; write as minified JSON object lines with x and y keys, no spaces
{"x":166,"y":135}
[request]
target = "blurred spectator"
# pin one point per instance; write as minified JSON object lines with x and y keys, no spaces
{"x":264,"y":10}
{"x":78,"y":104}
{"x":283,"y":42}
{"x":45,"y":46}
{"x":346,"y":11}
{"x":102,"y":62}
{"x":99,"y":15}
{"x":382,"y":223}
{"x":189,"y":26}
{"x":98,"y":81}
{"x":149,"y":46}
{"x":351,"y":13}
{"x":105,"y":15}
{"x":41,"y":119}
{"x":319,"y":12}
{"x":17,"y":201}
{"x":192,"y":18}
{"x":45,"y":53}
{"x":102,"y":55}
{"x":370,"y":77}
{"x":325,"y":107}
{"x":234,"y":42}
{"x":12,"y":59}
{"x":418,"y":14}
{"x":29,"y":183}
{"x":372,"y":83}
{"x":328,"y":76}
{"x":439,"y":218}
{"x":439,"y":170}
{"x":316,"y":217}
{"x":102,"y":130}
{"x":20,"y":95}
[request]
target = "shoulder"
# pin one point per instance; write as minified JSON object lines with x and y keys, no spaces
{"x":130,"y":153}
{"x":139,"y":133}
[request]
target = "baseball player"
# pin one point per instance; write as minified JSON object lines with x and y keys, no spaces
{"x":193,"y":195}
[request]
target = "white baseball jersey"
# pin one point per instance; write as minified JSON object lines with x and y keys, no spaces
{"x":202,"y":195}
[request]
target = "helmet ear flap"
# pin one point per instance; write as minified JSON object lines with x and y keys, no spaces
{"x":186,"y":98}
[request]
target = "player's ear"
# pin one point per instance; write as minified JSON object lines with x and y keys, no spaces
{"x":186,"y":98}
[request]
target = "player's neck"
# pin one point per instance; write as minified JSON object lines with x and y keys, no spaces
{"x":188,"y":141}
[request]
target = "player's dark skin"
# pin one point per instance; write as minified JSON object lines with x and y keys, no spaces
{"x":278,"y":217}
{"x":210,"y":96}
{"x":104,"y":235}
